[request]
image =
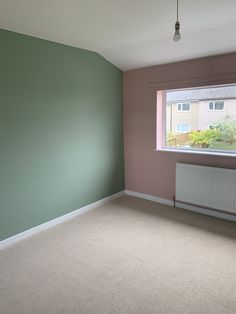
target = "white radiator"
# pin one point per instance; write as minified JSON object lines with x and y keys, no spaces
{"x":207,"y":187}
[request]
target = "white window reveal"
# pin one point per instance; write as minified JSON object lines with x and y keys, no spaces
{"x":183,"y":107}
{"x":217,"y":105}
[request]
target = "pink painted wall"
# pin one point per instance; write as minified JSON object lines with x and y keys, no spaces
{"x":153,"y":172}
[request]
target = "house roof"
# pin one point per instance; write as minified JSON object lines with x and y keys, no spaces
{"x":224,"y":92}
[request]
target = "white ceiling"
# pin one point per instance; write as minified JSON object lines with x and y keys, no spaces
{"x":129,"y":33}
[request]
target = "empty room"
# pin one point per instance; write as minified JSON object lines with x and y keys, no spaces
{"x":117,"y":157}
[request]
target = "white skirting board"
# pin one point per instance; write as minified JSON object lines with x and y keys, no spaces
{"x":82,"y":210}
{"x":196,"y":209}
{"x":56,"y":221}
{"x":150,"y":197}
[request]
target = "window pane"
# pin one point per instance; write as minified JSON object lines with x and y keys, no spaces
{"x":219,"y":105}
{"x":186,"y":107}
{"x":185,"y":127}
{"x":211,"y":105}
{"x":207,"y":122}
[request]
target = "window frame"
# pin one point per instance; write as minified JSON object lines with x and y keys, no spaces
{"x":189,"y":150}
{"x":214,"y":104}
{"x":183,"y":103}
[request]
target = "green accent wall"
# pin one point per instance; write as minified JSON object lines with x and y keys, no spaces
{"x":61,"y":138}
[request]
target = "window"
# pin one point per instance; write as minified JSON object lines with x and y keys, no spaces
{"x":183,"y":107}
{"x":198,"y":129}
{"x":212,"y":126}
{"x":217,"y":105}
{"x":183,"y":127}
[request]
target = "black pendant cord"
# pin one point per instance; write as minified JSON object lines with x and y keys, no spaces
{"x":177,"y":10}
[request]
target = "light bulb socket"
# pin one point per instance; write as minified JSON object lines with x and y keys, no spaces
{"x":177,"y":26}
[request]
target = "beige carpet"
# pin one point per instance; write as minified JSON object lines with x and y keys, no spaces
{"x":128,"y":256}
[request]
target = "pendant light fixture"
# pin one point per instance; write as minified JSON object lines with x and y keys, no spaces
{"x":177,"y":35}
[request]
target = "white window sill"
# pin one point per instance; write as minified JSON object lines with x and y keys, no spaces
{"x":196,"y":152}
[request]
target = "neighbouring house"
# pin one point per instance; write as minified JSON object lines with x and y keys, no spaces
{"x":199,"y":109}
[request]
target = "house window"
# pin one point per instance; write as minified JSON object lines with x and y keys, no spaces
{"x":199,"y":130}
{"x":217,"y":105}
{"x":212,"y":126}
{"x":183,"y":107}
{"x":183,"y":127}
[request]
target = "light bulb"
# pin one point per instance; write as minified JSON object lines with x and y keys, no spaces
{"x":177,"y":35}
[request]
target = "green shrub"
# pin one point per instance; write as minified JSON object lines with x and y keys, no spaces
{"x":227,"y":130}
{"x":222,"y":133}
{"x":204,"y":138}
